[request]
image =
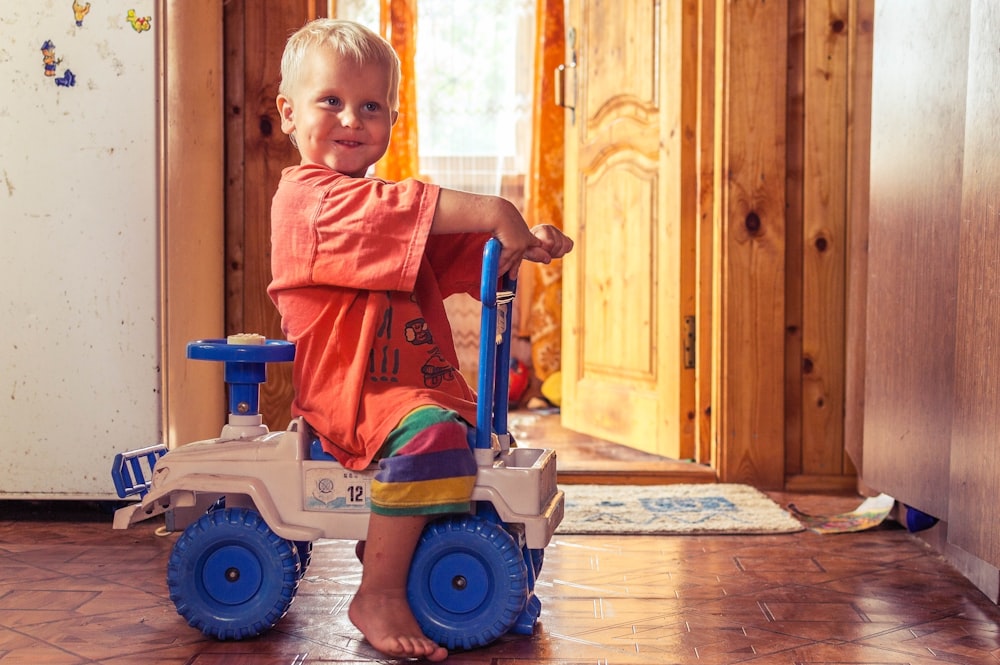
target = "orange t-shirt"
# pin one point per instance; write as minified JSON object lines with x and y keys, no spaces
{"x":360,"y":285}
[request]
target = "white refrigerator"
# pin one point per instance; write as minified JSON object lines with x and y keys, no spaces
{"x":79,"y":292}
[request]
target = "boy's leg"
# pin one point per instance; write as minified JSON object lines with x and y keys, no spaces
{"x":380,"y":609}
{"x":426,"y":469}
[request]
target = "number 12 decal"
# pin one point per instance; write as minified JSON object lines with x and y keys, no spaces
{"x":356,"y":494}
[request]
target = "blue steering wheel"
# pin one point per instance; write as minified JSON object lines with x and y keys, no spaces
{"x":245,"y":367}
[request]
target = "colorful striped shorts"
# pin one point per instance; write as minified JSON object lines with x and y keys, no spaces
{"x":426,"y":466}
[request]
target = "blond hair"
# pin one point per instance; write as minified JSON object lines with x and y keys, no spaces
{"x":349,"y":39}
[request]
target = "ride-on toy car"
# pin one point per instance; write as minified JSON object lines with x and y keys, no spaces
{"x":251,"y":503}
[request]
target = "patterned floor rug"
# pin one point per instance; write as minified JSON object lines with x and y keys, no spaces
{"x":673,"y":509}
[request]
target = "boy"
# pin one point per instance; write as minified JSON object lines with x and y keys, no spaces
{"x":360,"y":270}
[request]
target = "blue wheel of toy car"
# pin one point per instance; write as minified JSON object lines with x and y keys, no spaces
{"x":231,"y":576}
{"x":303,"y":550}
{"x":468,"y":581}
{"x":537,"y":559}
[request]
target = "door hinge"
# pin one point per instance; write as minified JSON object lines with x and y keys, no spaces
{"x":690,"y":342}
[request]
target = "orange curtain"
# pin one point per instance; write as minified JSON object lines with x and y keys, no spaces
{"x":398,"y":23}
{"x":544,"y":200}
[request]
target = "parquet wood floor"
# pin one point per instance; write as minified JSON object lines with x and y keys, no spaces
{"x":73,"y":591}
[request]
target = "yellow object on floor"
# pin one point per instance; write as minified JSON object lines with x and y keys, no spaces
{"x":552,"y":388}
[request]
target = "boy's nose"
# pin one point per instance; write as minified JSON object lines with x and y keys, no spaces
{"x":349,"y":118}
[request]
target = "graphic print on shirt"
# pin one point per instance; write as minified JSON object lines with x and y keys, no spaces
{"x":384,"y":359}
{"x":437,"y":369}
{"x":417,"y":332}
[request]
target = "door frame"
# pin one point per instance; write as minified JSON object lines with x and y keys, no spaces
{"x":190,"y":143}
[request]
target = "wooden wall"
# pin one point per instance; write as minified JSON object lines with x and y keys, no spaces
{"x":792,"y":109}
{"x":256,"y":152}
{"x":750,"y":308}
{"x":836,"y":101}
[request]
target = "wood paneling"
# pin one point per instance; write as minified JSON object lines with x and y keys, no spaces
{"x":256,"y":152}
{"x":799,"y":84}
{"x":794,"y":191}
{"x":829,"y":65}
{"x":859,"y":148}
{"x":705,"y":165}
{"x":751,"y":97}
{"x":824,"y":236}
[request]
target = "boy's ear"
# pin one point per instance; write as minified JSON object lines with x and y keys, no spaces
{"x":286,"y":113}
{"x":393,"y":118}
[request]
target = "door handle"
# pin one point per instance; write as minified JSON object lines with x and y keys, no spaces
{"x":560,"y":86}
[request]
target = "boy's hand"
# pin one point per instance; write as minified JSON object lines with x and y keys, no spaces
{"x":516,"y":242}
{"x":553,"y":244}
{"x":462,"y":212}
{"x":540,"y":244}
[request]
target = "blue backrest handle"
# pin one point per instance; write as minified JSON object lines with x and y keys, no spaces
{"x":494,"y":348}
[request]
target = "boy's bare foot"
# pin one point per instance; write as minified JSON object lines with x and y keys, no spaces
{"x":388,"y":624}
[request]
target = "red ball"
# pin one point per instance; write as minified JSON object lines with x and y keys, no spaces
{"x":518,"y":381}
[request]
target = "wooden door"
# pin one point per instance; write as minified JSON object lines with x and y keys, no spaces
{"x":628,"y":290}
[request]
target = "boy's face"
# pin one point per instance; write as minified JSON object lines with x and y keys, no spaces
{"x":338,"y":112}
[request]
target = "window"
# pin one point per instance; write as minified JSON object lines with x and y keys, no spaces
{"x":474,"y":88}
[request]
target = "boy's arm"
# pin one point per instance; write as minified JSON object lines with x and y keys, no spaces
{"x":462,"y":212}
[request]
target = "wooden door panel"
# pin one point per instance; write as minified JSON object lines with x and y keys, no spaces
{"x":618,"y":44}
{"x":623,"y":372}
{"x":614,"y":362}
{"x":618,"y":307}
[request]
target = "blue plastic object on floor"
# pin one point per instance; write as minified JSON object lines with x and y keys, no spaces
{"x":918,"y":521}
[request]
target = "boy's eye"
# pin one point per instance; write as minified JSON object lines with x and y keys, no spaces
{"x":372,"y":107}
{"x":333,"y":101}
